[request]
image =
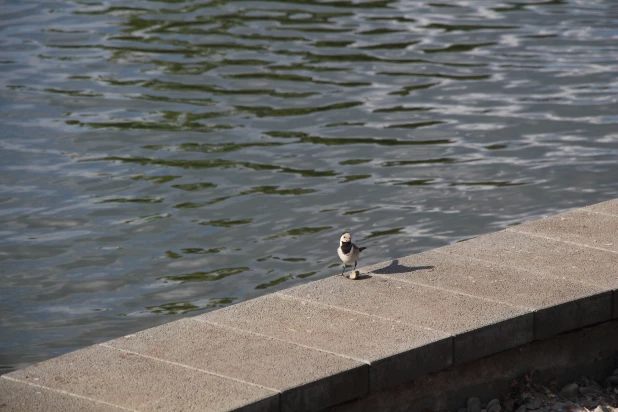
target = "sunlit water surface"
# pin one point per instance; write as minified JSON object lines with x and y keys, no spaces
{"x":161,"y":159}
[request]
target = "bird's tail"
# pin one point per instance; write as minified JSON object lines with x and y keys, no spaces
{"x":360,"y":249}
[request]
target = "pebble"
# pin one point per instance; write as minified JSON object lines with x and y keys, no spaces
{"x":509,"y":405}
{"x":493,"y":406}
{"x":531,"y":395}
{"x":534,"y":403}
{"x":570,"y":391}
{"x":589,"y":391}
{"x":474,"y":405}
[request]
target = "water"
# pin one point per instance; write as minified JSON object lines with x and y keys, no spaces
{"x":160,"y":159}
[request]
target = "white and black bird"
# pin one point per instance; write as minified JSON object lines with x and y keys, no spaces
{"x":348,"y":252}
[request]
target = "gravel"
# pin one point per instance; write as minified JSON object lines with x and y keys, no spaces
{"x":527,"y":394}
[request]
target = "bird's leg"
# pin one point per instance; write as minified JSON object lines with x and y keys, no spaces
{"x":354,"y":266}
{"x":343,"y":270}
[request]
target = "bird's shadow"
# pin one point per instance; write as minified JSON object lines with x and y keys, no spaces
{"x":395,"y":268}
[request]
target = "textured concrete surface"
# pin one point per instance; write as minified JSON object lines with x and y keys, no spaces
{"x":559,"y":259}
{"x":135,"y":382}
{"x":316,"y":380}
{"x":480,"y":326}
{"x":579,"y":226}
{"x":22,"y":397}
{"x":418,"y":331}
{"x":559,"y":305}
{"x":595,"y":227}
{"x":384,"y":343}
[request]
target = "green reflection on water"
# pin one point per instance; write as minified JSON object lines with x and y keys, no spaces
{"x":274,"y":190}
{"x":416,"y":182}
{"x":496,"y":184}
{"x":161,"y":85}
{"x":266,"y":111}
{"x":75,"y":93}
{"x":300,"y":232}
{"x":200,"y":251}
{"x":395,"y":231}
{"x":212,"y":163}
{"x":355,"y":212}
{"x":182,"y":308}
{"x":336,"y":141}
{"x":212,"y":275}
{"x":156,"y":179}
{"x":133,"y":200}
{"x":496,"y":146}
{"x":354,"y":161}
{"x":226,"y":222}
{"x":404,"y":91}
{"x":173,"y":255}
{"x":274,"y":282}
{"x":402,"y":109}
{"x":210,"y":147}
{"x":387,"y":46}
{"x":351,"y":178}
{"x":444,"y":160}
{"x":191,"y":187}
{"x":457,"y":48}
{"x":306,"y":275}
{"x":151,"y":125}
{"x":196,"y":205}
{"x":416,"y":125}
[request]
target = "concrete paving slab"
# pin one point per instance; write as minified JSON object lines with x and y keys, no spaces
{"x":308,"y":379}
{"x":610,"y":207}
{"x":397,"y":352}
{"x":579,"y":226}
{"x":559,"y":305}
{"x":480,"y":326}
{"x":563,"y":260}
{"x":21,"y":397}
{"x":136,"y":382}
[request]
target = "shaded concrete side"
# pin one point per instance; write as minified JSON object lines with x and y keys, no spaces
{"x":590,"y":351}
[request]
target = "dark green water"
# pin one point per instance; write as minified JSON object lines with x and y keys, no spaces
{"x":160,"y":159}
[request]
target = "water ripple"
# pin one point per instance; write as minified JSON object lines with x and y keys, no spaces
{"x":160,"y":159}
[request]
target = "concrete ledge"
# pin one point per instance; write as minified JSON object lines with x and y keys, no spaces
{"x":350,"y":334}
{"x":373,"y":344}
{"x":587,"y":352}
{"x":318,"y":379}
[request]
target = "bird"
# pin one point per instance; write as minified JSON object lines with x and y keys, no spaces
{"x":348,"y":252}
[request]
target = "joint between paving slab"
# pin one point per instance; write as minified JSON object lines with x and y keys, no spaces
{"x":150,"y":403}
{"x":545,"y":274}
{"x":448,"y":290}
{"x":190,"y":367}
{"x":290,"y":297}
{"x":67,"y":393}
{"x":366,"y":362}
{"x":559,"y":240}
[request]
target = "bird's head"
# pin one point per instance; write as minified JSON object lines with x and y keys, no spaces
{"x":345,"y":238}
